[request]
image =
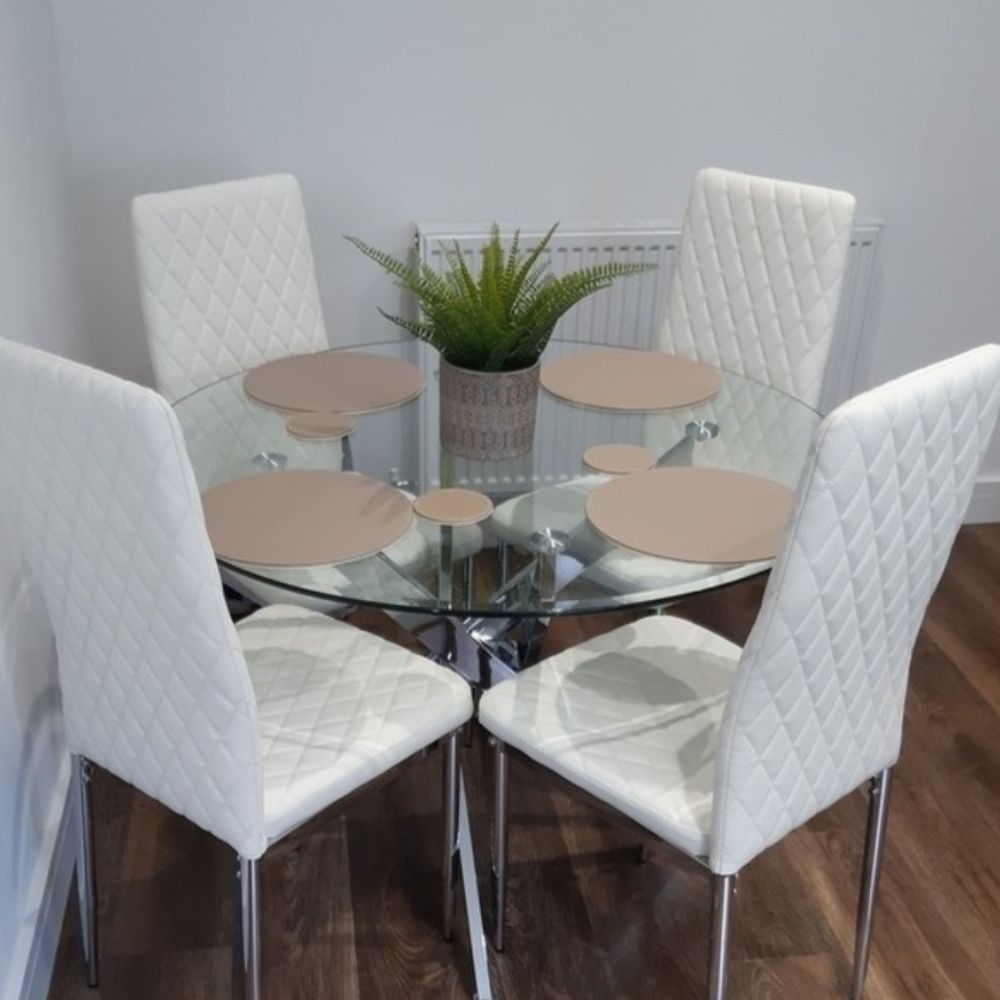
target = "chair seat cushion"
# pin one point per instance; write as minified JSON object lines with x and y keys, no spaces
{"x":631,"y":717}
{"x":337,"y":707}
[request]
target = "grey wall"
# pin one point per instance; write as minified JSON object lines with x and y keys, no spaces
{"x":573,"y":109}
{"x":38,"y":304}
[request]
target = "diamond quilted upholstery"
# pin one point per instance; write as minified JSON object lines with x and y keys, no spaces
{"x":338,"y":707}
{"x":631,"y":716}
{"x":226,"y":279}
{"x":817,"y":706}
{"x":95,"y":480}
{"x":758,"y":277}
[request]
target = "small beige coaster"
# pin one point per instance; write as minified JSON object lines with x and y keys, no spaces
{"x":320,"y":426}
{"x":303,"y":517}
{"x":693,"y":514}
{"x":453,"y":506}
{"x":621,"y":379}
{"x":345,"y":381}
{"x":618,"y":459}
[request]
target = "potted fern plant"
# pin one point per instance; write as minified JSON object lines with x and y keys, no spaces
{"x":490,"y":330}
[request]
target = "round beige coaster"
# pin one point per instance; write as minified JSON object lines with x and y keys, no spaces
{"x":693,"y":514}
{"x":303,"y":517}
{"x":621,"y":379}
{"x":453,"y":506}
{"x":320,"y":426}
{"x":618,"y":459}
{"x":345,"y":381}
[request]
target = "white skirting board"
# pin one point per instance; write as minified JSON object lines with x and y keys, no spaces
{"x":985,"y":505}
{"x":52,"y":894}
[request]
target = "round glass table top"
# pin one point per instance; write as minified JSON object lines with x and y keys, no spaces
{"x":536,"y":555}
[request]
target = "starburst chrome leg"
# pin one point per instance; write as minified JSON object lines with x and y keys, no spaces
{"x":878,"y":817}
{"x":503,"y":562}
{"x":470,"y":581}
{"x":86,"y":881}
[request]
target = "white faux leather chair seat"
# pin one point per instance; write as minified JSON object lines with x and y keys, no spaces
{"x":337,"y":707}
{"x":632,"y":717}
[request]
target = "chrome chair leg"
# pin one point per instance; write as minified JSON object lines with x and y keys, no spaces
{"x":503,"y":562}
{"x":878,"y":816}
{"x":247,"y":981}
{"x":451,"y":858}
{"x":86,"y":881}
{"x":498,"y":868}
{"x":723,"y":887}
{"x":470,"y":581}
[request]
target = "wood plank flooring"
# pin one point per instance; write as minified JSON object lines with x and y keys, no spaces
{"x":351,"y":901}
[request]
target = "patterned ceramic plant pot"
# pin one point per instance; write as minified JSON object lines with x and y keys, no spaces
{"x":488,"y":415}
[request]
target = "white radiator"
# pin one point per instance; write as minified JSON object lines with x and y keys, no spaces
{"x":629,"y":314}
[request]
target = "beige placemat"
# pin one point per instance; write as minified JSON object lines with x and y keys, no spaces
{"x":302,"y":517}
{"x":346,"y":381}
{"x":453,"y":506}
{"x":619,"y":379}
{"x":320,"y":426}
{"x":618,"y":459}
{"x":693,"y":514}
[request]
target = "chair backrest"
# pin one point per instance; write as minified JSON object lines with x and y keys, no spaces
{"x":226,"y":279}
{"x":758,"y":277}
{"x":108,"y":526}
{"x":817,"y":705}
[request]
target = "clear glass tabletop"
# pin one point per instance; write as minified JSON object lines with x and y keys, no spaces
{"x":537,"y":556}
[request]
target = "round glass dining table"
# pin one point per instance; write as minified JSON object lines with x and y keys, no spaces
{"x":537,"y":557}
{"x":480,"y":592}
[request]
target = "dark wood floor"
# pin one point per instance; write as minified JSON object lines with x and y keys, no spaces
{"x":351,"y":901}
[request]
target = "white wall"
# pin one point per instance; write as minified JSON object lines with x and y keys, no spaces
{"x":38,"y":304}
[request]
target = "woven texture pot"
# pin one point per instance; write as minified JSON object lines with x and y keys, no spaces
{"x":488,"y":415}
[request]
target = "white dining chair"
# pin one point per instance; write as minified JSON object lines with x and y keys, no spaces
{"x":246,"y":730}
{"x":754,"y":290}
{"x":227,"y":281}
{"x":757,"y":281}
{"x":722,"y":751}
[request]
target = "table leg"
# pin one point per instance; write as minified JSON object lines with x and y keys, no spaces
{"x":470,"y":893}
{"x":474,"y":648}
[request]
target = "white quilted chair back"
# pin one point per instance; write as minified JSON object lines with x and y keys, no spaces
{"x":817,"y":706}
{"x":103,"y":505}
{"x":226,"y":278}
{"x":758,"y":277}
